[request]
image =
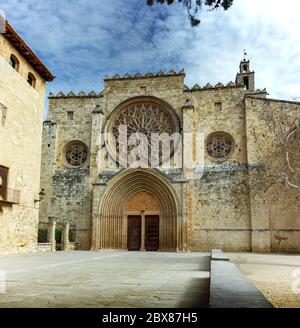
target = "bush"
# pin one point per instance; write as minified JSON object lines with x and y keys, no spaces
{"x":72,"y":235}
{"x":42,"y":236}
{"x":58,"y":234}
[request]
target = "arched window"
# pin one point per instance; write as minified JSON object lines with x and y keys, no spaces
{"x":31,"y":80}
{"x":14,"y":62}
{"x":246,"y":82}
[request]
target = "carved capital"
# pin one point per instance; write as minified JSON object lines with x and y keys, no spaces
{"x":51,"y":221}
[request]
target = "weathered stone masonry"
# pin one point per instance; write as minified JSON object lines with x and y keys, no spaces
{"x":197,"y":215}
{"x":21,"y":119}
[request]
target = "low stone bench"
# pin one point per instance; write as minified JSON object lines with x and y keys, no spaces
{"x":230,"y":288}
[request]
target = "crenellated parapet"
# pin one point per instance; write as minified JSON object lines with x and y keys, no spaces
{"x":209,"y":86}
{"x":148,"y":75}
{"x":220,"y":85}
{"x":71,"y":94}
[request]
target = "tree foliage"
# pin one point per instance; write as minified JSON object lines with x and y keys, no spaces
{"x":194,"y":6}
{"x":284,"y":161}
{"x":277,"y":166}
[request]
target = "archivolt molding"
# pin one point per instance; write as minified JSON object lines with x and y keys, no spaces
{"x":109,"y":227}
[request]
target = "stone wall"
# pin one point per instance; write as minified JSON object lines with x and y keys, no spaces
{"x":20,"y":144}
{"x":279,"y":207}
{"x":68,"y":190}
{"x":225,"y":208}
{"x":217,"y":220}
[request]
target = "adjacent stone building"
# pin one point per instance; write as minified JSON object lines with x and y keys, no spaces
{"x":23,"y":80}
{"x":215,"y":203}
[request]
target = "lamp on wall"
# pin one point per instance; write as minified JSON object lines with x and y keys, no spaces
{"x":42,"y":195}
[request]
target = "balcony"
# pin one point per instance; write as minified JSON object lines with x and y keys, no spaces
{"x":9,"y":196}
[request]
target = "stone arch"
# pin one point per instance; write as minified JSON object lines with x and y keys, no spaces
{"x":143,"y":114}
{"x":110,"y":225}
{"x":139,"y":99}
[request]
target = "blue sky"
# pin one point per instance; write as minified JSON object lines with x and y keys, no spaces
{"x":80,"y":41}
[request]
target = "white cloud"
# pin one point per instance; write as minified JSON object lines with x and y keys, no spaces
{"x":82,"y":40}
{"x":268,"y":30}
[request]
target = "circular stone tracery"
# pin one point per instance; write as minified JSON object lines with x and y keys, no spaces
{"x":219,"y":145}
{"x":76,"y":153}
{"x":148,"y":117}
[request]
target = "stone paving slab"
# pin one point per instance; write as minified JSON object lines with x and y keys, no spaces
{"x":106,"y":279}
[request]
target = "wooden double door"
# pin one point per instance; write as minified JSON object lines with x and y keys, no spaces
{"x":141,"y":237}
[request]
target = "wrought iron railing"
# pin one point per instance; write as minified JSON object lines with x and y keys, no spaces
{"x":10,"y":196}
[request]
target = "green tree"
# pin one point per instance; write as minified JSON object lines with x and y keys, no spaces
{"x":194,"y":6}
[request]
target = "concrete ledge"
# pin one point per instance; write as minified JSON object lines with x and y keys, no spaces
{"x":44,"y":247}
{"x":230,"y":288}
{"x":218,"y":255}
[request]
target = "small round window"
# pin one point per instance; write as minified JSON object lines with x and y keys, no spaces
{"x":219,"y":145}
{"x":76,"y":153}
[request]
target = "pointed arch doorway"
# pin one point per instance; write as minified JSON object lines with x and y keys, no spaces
{"x":137,"y":211}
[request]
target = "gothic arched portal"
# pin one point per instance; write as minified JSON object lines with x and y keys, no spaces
{"x":131,"y":192}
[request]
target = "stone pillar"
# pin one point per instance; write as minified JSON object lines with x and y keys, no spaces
{"x":188,"y":158}
{"x":143,"y":231}
{"x":97,"y":188}
{"x":96,"y":144}
{"x":65,"y":235}
{"x":51,"y":233}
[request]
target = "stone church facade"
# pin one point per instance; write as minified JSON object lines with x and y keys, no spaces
{"x":113,"y":207}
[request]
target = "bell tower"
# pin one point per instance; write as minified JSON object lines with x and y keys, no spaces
{"x":245,"y":76}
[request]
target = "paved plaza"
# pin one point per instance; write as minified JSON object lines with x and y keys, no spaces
{"x":277,"y":276}
{"x":106,"y":279}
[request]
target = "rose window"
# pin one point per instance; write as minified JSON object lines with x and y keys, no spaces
{"x":219,"y":145}
{"x":148,"y":120}
{"x":76,"y":153}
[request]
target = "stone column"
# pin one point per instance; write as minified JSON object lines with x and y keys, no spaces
{"x":143,"y":232}
{"x":51,"y":233}
{"x":65,"y":235}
